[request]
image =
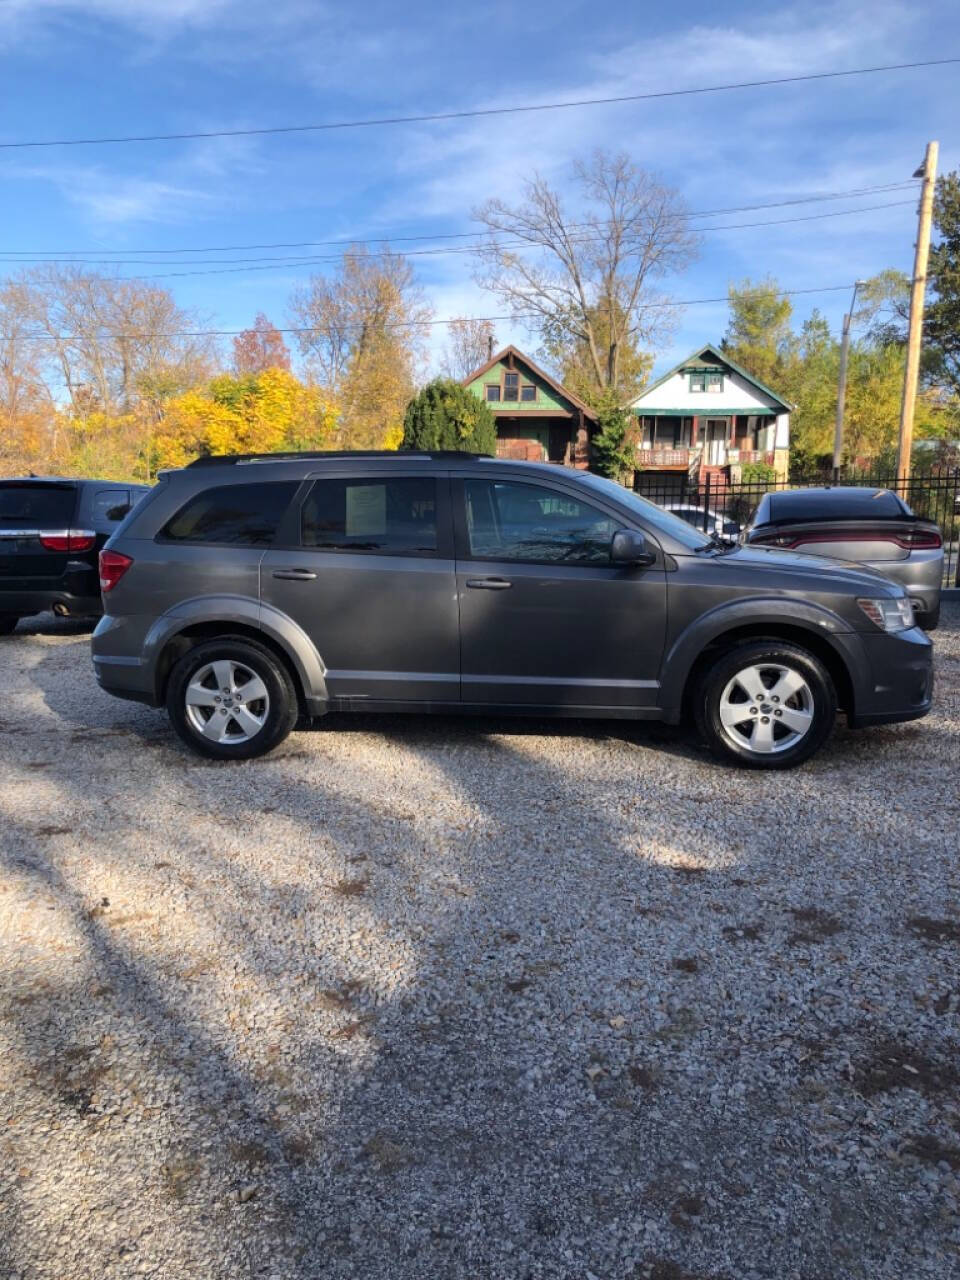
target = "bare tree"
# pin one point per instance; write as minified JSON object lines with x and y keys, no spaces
{"x":109,"y":343}
{"x":363,"y":332}
{"x":470,"y":343}
{"x":565,"y":273}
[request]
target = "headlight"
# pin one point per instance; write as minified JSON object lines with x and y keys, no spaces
{"x":889,"y":615}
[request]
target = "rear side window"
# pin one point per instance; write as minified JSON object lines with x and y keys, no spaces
{"x":240,"y":515}
{"x":389,"y":516}
{"x":38,"y":506}
{"x":110,"y":505}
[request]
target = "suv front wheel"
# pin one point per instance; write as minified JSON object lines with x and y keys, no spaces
{"x":766,"y":704}
{"x":231,"y":699}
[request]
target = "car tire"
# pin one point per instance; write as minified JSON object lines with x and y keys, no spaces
{"x":929,"y":620}
{"x":766,"y":705}
{"x":241,"y":690}
{"x":8,"y":623}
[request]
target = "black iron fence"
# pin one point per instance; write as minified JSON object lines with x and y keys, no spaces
{"x":704,"y":502}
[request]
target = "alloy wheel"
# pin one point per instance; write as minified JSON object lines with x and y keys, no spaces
{"x":226,"y":702}
{"x":766,"y":708}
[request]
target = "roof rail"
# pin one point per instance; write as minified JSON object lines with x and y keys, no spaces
{"x":236,"y":459}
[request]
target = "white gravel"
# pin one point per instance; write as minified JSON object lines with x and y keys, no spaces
{"x":484,"y":999}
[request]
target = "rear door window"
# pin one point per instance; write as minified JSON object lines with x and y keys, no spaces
{"x":239,"y":515}
{"x":110,"y":505}
{"x":36,"y":506}
{"x":387,"y":516}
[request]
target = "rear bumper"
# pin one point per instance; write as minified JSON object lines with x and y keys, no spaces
{"x":921,"y":576}
{"x":898,"y":682}
{"x":26,"y":603}
{"x":77,"y":590}
{"x":114,"y":644}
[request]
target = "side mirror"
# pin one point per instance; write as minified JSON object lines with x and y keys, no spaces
{"x":630,"y":547}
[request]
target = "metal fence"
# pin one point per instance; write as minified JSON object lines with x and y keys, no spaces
{"x":935,"y":496}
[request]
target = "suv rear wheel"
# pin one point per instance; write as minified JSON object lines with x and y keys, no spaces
{"x":231,"y":699}
{"x":766,"y":704}
{"x":8,"y":623}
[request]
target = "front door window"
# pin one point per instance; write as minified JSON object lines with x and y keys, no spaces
{"x":512,"y":521}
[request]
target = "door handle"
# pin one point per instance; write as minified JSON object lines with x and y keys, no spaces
{"x":489,"y":584}
{"x":295,"y":575}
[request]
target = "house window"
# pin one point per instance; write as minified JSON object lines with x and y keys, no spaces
{"x":511,"y":386}
{"x":715,"y":382}
{"x":704,"y":381}
{"x":698,"y":381}
{"x":528,"y":392}
{"x":493,"y":390}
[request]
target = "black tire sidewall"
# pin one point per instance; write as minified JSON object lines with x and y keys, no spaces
{"x":281,"y":717}
{"x":715,"y":680}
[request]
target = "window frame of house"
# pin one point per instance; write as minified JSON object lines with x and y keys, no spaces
{"x":529,"y":386}
{"x":492,"y":386}
{"x":711,"y":382}
{"x":515,"y":375}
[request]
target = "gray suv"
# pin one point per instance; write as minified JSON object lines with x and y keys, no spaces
{"x":245,"y":592}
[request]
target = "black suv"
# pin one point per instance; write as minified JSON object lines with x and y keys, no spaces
{"x":51,"y":531}
{"x":244,"y":592}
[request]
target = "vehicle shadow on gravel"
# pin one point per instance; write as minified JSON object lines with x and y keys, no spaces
{"x":48,"y":624}
{"x":525,"y":1103}
{"x":503,"y":1039}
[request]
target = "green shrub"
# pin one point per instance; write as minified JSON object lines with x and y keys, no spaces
{"x":445,"y":415}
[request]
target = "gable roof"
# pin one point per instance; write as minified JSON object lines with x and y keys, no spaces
{"x":720,"y":356}
{"x":517,"y":354}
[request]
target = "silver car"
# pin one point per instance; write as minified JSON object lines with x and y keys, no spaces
{"x":871,"y":526}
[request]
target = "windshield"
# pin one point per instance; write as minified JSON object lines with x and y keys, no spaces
{"x":660,"y":520}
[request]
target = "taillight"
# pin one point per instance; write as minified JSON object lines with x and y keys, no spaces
{"x":68,"y":540}
{"x":922,"y":539}
{"x":113,"y":565}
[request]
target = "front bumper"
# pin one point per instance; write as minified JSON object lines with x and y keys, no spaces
{"x":898,"y":681}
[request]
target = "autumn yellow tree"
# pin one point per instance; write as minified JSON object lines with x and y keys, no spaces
{"x":268,"y":412}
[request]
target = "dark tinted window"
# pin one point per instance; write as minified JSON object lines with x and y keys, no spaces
{"x":392,"y":516}
{"x":243,"y":515}
{"x":510,"y":521}
{"x":110,"y":505}
{"x":42,"y":506}
{"x":835,"y":504}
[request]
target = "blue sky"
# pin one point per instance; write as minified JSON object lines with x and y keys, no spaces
{"x":99,"y":67}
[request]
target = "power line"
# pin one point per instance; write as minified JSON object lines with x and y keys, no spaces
{"x":398,"y":324}
{"x":436,"y":116}
{"x":285,"y":263}
{"x":316,"y":261}
{"x":14,"y":255}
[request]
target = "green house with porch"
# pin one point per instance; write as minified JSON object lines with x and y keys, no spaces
{"x":538,"y":419}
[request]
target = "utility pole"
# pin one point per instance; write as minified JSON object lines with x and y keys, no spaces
{"x":842,"y":385}
{"x":917,"y":291}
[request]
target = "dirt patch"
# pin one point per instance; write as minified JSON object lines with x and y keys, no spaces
{"x":929,"y":1148}
{"x":935,"y":930}
{"x":350,"y":888}
{"x":892,"y":1064}
{"x":818,"y":925}
{"x":742,"y":932}
{"x":686,"y":964}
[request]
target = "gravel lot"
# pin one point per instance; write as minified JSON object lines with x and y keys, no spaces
{"x":431,"y":998}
